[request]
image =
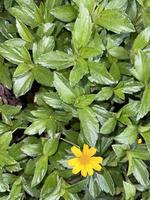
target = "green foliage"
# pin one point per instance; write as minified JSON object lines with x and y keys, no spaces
{"x":72,"y":73}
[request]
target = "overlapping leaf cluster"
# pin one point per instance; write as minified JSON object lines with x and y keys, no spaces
{"x":72,"y":73}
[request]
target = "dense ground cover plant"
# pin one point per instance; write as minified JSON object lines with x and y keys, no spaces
{"x":72,"y":74}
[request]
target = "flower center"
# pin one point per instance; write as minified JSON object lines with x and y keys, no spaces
{"x":84,"y":159}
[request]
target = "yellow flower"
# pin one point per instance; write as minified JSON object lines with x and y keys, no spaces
{"x":139,"y":141}
{"x":84,"y":161}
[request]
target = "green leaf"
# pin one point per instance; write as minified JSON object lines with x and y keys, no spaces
{"x":38,"y":126}
{"x":118,"y":21}
{"x":105,"y":182}
{"x":26,"y":55}
{"x":22,"y":69}
{"x":65,"y":13}
{"x":22,"y":84}
{"x":33,"y":192}
{"x":52,"y":4}
{"x":88,"y":52}
{"x":146,"y":136}
{"x":30,"y":4}
{"x":109,"y":126}
{"x":124,"y":119}
{"x":94,"y":48}
{"x":146,"y":17}
{"x":147,"y":3}
{"x":55,"y":60}
{"x":4,"y":187}
{"x":43,"y":76}
{"x":84,"y":101}
{"x":63,"y":88}
{"x":24,"y":14}
{"x":12,"y":50}
{"x":141,"y":40}
{"x":32,"y":150}
{"x":140,"y":152}
{"x":128,"y":136}
{"x":144,"y":105}
{"x":87,"y":3}
{"x":130,"y":109}
{"x":7,"y":30}
{"x":8,"y":3}
{"x":52,"y":188}
{"x":89,"y":125}
{"x":117,"y":4}
{"x":4,"y":128}
{"x":49,"y":185}
{"x":16,"y":153}
{"x":119,"y":52}
{"x":45,"y":45}
{"x":5,"y":140}
{"x":101,"y":113}
{"x":51,"y":145}
{"x":141,"y":2}
{"x":42,"y":112}
{"x":5,"y":76}
{"x":129,"y":87}
{"x":16,"y":191}
{"x":144,"y":128}
{"x":62,"y":116}
{"x":45,"y":29}
{"x":130,"y":190}
{"x":120,"y":150}
{"x":52,"y":125}
{"x":105,"y":143}
{"x":15,"y":42}
{"x":79,"y":70}
{"x":5,"y":159}
{"x":132,"y":9}
{"x":77,"y":187}
{"x":9,"y":110}
{"x":24,"y":31}
{"x":140,"y":172}
{"x":115,"y":71}
{"x":52,"y":99}
{"x":104,"y":94}
{"x":46,"y":121}
{"x":82,"y":29}
{"x":38,"y":15}
{"x":90,"y":4}
{"x":92,"y":187}
{"x":40,"y":170}
{"x":68,"y":196}
{"x":99,"y":74}
{"x":141,"y":70}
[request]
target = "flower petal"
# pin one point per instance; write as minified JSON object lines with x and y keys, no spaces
{"x":96,"y":159}
{"x":92,"y":151}
{"x":86,"y":149}
{"x":76,"y":169}
{"x":73,"y":162}
{"x":89,"y":170}
{"x":97,"y":167}
{"x":84,"y":172}
{"x":76,"y":151}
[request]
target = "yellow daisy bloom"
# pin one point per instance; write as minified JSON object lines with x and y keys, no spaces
{"x":84,"y":161}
